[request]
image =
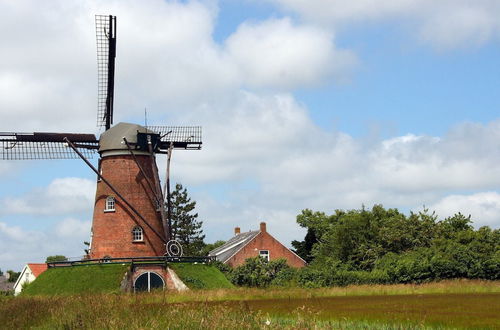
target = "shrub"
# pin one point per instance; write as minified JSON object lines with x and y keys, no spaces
{"x":258,"y":272}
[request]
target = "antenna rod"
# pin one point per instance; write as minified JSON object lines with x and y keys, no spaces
{"x":111,"y":71}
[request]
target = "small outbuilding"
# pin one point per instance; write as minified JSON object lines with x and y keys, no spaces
{"x":29,"y":273}
{"x":252,"y":244}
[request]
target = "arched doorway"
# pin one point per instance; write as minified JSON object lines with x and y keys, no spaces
{"x":148,"y":281}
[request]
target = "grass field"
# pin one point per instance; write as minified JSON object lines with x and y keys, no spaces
{"x":104,"y":278}
{"x":200,"y":276}
{"x":450,"y":304}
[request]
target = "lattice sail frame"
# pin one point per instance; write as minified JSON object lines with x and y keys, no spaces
{"x":26,"y":146}
{"x":106,"y":51}
{"x":181,"y":137}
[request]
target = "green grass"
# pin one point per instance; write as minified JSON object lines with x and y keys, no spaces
{"x":200,"y":276}
{"x":78,"y":279}
{"x":476,"y":308}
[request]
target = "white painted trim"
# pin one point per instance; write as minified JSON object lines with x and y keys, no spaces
{"x":19,"y":278}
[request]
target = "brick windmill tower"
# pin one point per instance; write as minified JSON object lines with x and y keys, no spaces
{"x":131,"y":212}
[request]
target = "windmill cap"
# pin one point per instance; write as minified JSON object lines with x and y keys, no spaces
{"x":111,"y":142}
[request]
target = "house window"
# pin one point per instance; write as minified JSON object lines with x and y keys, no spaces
{"x":137,"y":234}
{"x":110,"y":204}
{"x":106,"y":259}
{"x":264,"y":254}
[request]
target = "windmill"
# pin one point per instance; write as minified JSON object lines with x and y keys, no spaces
{"x":129,"y":218}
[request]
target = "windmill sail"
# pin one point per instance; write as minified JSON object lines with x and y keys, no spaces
{"x":106,"y":53}
{"x":181,"y":137}
{"x":20,"y":146}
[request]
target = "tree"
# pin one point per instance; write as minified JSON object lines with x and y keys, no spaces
{"x":56,"y":258}
{"x":13,"y":276}
{"x":304,"y":248}
{"x":211,"y":246}
{"x":186,"y":228}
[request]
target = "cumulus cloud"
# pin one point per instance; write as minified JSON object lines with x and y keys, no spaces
{"x":61,"y":196}
{"x":278,"y":53}
{"x":19,"y":246}
{"x":161,"y":64}
{"x":444,"y":24}
{"x":484,"y":207}
{"x":274,"y":161}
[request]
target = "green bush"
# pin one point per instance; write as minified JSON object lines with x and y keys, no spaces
{"x":258,"y":272}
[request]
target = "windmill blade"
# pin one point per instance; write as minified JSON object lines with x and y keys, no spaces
{"x":106,"y":53}
{"x":181,"y":137}
{"x":21,"y":146}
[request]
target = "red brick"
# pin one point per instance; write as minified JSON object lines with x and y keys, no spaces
{"x":264,"y":241}
{"x":112,"y":231}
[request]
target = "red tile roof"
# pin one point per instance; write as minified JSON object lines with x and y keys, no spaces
{"x":37,"y":269}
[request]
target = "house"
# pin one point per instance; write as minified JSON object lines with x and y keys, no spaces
{"x":29,"y":273}
{"x":252,"y":244}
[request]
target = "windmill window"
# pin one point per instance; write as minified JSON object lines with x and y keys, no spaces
{"x":264,"y":254}
{"x":110,"y":204}
{"x":148,"y":281}
{"x":137,"y":234}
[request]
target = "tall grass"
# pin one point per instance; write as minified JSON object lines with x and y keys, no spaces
{"x":444,"y":304}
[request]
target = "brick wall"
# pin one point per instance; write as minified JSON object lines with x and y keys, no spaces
{"x":112,"y":231}
{"x":264,"y":241}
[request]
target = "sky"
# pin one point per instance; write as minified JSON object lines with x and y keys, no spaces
{"x":319,"y":104}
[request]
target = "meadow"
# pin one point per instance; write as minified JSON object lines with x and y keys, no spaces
{"x":447,"y":304}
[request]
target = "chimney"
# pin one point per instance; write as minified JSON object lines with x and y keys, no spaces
{"x":236,"y":230}
{"x":263,"y":227}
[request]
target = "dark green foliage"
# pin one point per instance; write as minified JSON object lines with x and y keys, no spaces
{"x":201,"y":276}
{"x":78,"y":279}
{"x":385,"y":246}
{"x":209,"y":247}
{"x":13,"y":276}
{"x":225,"y":269}
{"x":1,"y":273}
{"x":304,"y":248}
{"x":258,"y":272}
{"x":56,"y":258}
{"x":186,"y":228}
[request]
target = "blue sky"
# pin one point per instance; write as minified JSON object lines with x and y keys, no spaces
{"x":317,"y":104}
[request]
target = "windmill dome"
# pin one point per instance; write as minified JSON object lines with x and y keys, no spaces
{"x":111,"y":142}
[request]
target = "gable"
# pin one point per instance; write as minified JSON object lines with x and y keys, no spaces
{"x":224,"y":252}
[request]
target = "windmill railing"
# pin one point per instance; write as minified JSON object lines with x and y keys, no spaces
{"x":132,"y":260}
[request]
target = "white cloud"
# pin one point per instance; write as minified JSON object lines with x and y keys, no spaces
{"x":273,"y":159}
{"x":167,"y":60}
{"x":483,"y":207}
{"x":19,"y":246}
{"x":277,"y":53}
{"x":444,"y":24}
{"x":61,"y":196}
{"x":73,"y":228}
